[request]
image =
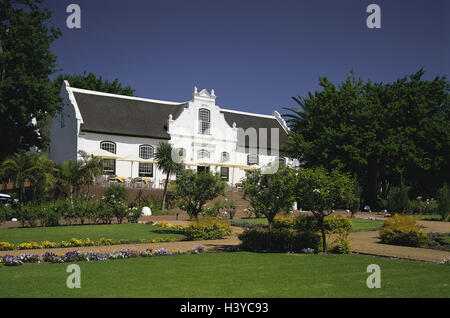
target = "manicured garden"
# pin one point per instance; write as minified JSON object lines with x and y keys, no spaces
{"x":239,"y":274}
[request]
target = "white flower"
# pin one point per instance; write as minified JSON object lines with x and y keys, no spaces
{"x":316,"y":190}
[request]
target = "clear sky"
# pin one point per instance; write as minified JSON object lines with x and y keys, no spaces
{"x":255,"y":54}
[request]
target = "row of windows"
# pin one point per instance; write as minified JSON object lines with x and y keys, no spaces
{"x":147,"y":152}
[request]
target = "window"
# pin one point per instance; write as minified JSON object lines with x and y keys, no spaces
{"x":252,"y":159}
{"x":108,"y":146}
{"x":202,"y":154}
{"x":146,"y":151}
{"x":204,"y":121}
{"x":225,"y":156}
{"x":109,"y":166}
{"x":145,"y":169}
{"x":182,"y":152}
{"x":224,"y":172}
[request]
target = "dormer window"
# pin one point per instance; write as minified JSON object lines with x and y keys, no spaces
{"x":204,"y":120}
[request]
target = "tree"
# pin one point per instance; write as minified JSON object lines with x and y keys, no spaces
{"x":379,"y":132}
{"x":322,"y":192}
{"x":27,"y":96}
{"x":91,"y":82}
{"x":444,"y":201}
{"x":32,"y":167}
{"x":195,"y":189}
{"x":270,"y":194}
{"x":164,"y":156}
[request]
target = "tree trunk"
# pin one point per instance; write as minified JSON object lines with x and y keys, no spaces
{"x":165,"y":191}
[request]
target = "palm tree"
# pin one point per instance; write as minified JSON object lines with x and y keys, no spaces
{"x":92,"y":168}
{"x":32,"y":167}
{"x":166,"y":164}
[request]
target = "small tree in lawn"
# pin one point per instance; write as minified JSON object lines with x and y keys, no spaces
{"x":321,"y":192}
{"x":270,"y":194}
{"x":195,"y":189}
{"x":164,"y":156}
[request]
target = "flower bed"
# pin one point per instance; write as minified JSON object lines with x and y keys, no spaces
{"x":80,"y":256}
{"x":74,"y":242}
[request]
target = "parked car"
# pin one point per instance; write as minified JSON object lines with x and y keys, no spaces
{"x":6,"y":198}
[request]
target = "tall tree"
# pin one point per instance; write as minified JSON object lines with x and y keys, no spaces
{"x":379,"y":132}
{"x":27,"y":96}
{"x":92,"y":82}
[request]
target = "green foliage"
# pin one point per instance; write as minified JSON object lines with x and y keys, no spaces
{"x":376,"y":131}
{"x":398,"y":200}
{"x":419,"y":206}
{"x":91,"y":82}
{"x":169,"y":162}
{"x":341,"y":246}
{"x":321,"y":192}
{"x":207,"y":229}
{"x":195,"y":189}
{"x":115,"y":193}
{"x":402,"y":230}
{"x":272,"y":193}
{"x":444,"y":201}
{"x":279,"y":240}
{"x":413,"y":238}
{"x":26,"y":92}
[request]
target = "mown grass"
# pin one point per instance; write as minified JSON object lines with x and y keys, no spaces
{"x":239,"y":274}
{"x":133,"y":232}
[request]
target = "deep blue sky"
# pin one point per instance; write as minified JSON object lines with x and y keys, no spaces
{"x":255,"y":54}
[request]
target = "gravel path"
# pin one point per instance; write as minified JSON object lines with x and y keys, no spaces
{"x":368,"y":243}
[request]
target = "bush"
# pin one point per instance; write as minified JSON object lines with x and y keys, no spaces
{"x":207,"y":229}
{"x":398,"y":201}
{"x":444,"y":201}
{"x":332,"y":224}
{"x":279,"y":240}
{"x":419,"y":206}
{"x":27,"y":213}
{"x":283,"y":222}
{"x":341,"y":246}
{"x":402,"y":230}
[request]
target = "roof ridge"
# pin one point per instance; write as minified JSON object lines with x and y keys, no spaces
{"x":247,"y":113}
{"x":87,"y":91}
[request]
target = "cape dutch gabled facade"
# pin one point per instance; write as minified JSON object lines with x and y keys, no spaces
{"x":126,"y":130}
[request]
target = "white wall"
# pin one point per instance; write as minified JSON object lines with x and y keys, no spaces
{"x":63,"y":131}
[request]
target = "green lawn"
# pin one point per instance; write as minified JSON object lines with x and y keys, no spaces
{"x":132,"y":232}
{"x":239,"y":274}
{"x":428,"y":217}
{"x":358,"y":224}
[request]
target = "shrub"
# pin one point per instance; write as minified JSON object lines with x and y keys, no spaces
{"x":134,"y":214}
{"x":419,"y":206}
{"x":398,"y":201}
{"x":283,"y":222}
{"x":332,"y":224}
{"x":280,"y":240}
{"x":26,"y":213}
{"x":207,"y":229}
{"x":115,"y":193}
{"x":341,"y":246}
{"x":444,"y":201}
{"x":402,"y":230}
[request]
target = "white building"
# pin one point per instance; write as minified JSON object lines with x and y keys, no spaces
{"x":126,"y":131}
